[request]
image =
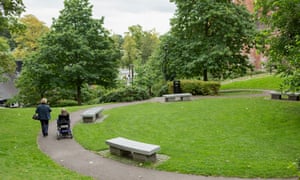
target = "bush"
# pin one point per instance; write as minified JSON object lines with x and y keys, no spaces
{"x":197,"y":87}
{"x":159,"y":89}
{"x":65,"y":102}
{"x":93,"y":101}
{"x":126,"y":94}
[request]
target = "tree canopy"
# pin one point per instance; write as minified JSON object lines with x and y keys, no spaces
{"x":78,"y":50}
{"x":138,"y":45}
{"x":209,"y":37}
{"x":280,"y":37}
{"x":27,"y":40}
{"x":10,"y":10}
{"x":7,"y":64}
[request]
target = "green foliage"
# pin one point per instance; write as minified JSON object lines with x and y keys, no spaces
{"x":138,"y":46}
{"x":291,"y":83}
{"x":167,"y":57}
{"x":149,"y":75}
{"x":127,"y":94}
{"x":35,"y":81}
{"x":234,"y":137}
{"x":160,"y":88}
{"x":76,"y":51}
{"x":209,"y":37}
{"x":64,"y":103}
{"x":131,"y":53}
{"x":280,"y":38}
{"x":150,"y":43}
{"x":197,"y":87}
{"x":7,"y":64}
{"x":10,"y":10}
{"x":147,"y":68}
{"x":27,"y":40}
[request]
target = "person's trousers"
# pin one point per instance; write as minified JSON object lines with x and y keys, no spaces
{"x":44,"y":126}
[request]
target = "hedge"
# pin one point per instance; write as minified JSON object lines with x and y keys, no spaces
{"x":126,"y":94}
{"x":196,"y":87}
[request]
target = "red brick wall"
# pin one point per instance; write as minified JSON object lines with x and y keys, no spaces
{"x":255,"y":58}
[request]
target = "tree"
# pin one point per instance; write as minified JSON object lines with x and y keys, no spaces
{"x":27,"y":40}
{"x":7,"y":63}
{"x":169,"y":57}
{"x":76,"y":51}
{"x":149,"y":43}
{"x":138,"y":48}
{"x":149,"y":75}
{"x":35,"y":81}
{"x":9,"y":11}
{"x":211,"y":37}
{"x":280,"y":39}
{"x":131,"y":53}
{"x":138,"y":45}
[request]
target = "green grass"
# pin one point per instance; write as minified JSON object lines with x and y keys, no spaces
{"x":264,"y":82}
{"x":240,"y":92}
{"x":223,"y":136}
{"x":240,"y":137}
{"x":20,"y":157}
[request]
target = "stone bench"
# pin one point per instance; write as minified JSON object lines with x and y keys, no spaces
{"x":92,"y":114}
{"x":290,"y":96}
{"x":275,"y":95}
{"x":180,"y":96}
{"x":136,"y":150}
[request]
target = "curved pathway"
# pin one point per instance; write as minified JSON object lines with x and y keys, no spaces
{"x":72,"y":155}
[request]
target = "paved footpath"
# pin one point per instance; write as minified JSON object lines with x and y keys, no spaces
{"x":72,"y":155}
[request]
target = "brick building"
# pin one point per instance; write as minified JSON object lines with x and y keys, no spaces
{"x":255,"y":58}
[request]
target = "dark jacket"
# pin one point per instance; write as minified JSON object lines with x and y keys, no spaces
{"x":63,"y":119}
{"x":43,"y":111}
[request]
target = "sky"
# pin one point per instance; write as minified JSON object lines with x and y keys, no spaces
{"x":118,"y":14}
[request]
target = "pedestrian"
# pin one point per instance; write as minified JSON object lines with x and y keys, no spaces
{"x":43,"y":110}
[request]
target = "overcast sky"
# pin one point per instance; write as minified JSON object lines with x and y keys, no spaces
{"x":118,"y":14}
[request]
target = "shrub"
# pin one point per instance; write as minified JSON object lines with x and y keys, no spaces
{"x":197,"y":87}
{"x":160,"y":89}
{"x":93,"y":101}
{"x":126,"y":94}
{"x":65,"y":102}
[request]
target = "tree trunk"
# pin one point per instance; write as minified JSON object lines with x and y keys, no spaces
{"x":207,"y":26}
{"x":205,"y":77}
{"x":78,"y":94}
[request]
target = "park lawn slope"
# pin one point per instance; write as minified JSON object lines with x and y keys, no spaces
{"x":262,"y":82}
{"x":233,"y":137}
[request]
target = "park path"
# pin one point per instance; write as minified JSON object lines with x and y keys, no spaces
{"x":73,"y":156}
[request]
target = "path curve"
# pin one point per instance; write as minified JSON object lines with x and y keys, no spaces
{"x":73,"y":156}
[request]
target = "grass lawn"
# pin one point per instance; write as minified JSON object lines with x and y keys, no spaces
{"x":265,"y":82}
{"x":20,"y":157}
{"x":240,"y":137}
{"x":221,"y":136}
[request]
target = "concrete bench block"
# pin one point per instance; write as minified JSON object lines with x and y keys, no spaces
{"x":180,"y":96}
{"x":137,"y":150}
{"x":92,"y":114}
{"x":275,"y":95}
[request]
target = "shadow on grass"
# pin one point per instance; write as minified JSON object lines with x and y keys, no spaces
{"x":244,"y":92}
{"x":161,"y":158}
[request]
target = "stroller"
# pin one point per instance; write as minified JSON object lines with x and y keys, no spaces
{"x":63,"y":127}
